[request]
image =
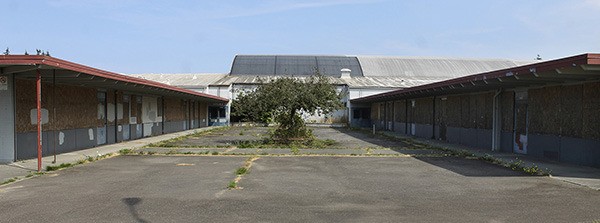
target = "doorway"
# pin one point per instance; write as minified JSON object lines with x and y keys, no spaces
{"x":521,"y":123}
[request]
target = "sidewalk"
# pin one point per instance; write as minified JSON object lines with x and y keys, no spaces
{"x":23,"y":168}
{"x":580,"y":175}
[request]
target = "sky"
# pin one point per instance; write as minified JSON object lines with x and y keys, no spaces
{"x":177,"y":36}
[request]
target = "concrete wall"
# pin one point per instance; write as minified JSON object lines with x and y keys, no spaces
{"x":7,"y":120}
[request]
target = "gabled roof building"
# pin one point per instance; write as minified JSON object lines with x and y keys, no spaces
{"x":354,"y":76}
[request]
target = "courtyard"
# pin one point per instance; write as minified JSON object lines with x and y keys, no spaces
{"x":354,"y":177}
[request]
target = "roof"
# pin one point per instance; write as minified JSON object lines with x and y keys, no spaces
{"x":183,"y":80}
{"x":296,"y":65}
{"x":366,"y":71}
{"x":429,"y":68}
{"x":580,"y":68}
{"x":27,"y":66}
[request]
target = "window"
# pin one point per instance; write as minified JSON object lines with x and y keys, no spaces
{"x":356,"y":114}
{"x":366,"y":113}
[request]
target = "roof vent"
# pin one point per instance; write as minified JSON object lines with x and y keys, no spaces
{"x":346,"y":72}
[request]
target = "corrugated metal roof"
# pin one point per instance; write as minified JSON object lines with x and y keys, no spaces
{"x":367,"y":71}
{"x":354,"y":82}
{"x":427,"y":69}
{"x":183,"y":80}
{"x":294,"y":65}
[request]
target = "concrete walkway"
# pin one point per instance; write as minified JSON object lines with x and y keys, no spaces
{"x":580,"y":175}
{"x":25,"y":167}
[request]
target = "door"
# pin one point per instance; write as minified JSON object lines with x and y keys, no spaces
{"x":521,"y":123}
{"x":102,"y":119}
{"x":442,"y":119}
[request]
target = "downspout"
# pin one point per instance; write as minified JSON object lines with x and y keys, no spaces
{"x":39,"y":119}
{"x":496,"y":122}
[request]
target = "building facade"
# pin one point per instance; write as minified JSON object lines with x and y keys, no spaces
{"x":76,"y":107}
{"x":548,"y":110}
{"x":353,"y":76}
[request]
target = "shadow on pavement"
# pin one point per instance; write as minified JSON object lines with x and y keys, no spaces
{"x":472,"y":167}
{"x":131,"y":202}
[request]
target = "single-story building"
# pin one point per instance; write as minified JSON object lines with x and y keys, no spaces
{"x":548,"y":109}
{"x":81,"y":107}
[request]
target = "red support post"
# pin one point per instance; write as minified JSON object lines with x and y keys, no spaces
{"x":39,"y":119}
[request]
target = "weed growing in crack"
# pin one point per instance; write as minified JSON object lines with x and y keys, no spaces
{"x":58,"y":167}
{"x":125,"y":151}
{"x":232,"y":185}
{"x":10,"y":180}
{"x":241,"y":171}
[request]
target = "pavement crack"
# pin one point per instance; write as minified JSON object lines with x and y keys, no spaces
{"x":240,"y":172}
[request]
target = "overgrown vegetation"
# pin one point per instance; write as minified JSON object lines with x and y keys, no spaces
{"x":283,"y":100}
{"x":312,"y":143}
{"x":10,"y":180}
{"x":173,"y":142}
{"x":58,"y":167}
{"x":125,"y":151}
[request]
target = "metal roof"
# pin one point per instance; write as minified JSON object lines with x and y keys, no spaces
{"x":65,"y":72}
{"x":366,"y":71}
{"x":294,"y":65}
{"x":427,"y":68}
{"x":183,"y":80}
{"x":580,"y":68}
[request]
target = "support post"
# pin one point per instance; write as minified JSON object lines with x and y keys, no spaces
{"x":496,"y":122}
{"x":433,"y":119}
{"x":54,"y":136}
{"x":39,"y":119}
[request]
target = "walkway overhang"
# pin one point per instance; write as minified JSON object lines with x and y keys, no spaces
{"x":575,"y":69}
{"x":69,"y":73}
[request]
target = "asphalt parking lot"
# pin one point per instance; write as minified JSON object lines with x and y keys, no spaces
{"x":295,"y":189}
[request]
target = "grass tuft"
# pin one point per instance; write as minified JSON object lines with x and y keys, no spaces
{"x":58,"y":167}
{"x":232,"y":185}
{"x":241,"y":171}
{"x":125,"y":151}
{"x":10,"y":180}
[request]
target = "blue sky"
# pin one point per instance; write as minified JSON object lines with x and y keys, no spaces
{"x":146,"y":36}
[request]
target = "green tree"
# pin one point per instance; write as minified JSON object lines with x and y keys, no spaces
{"x":283,"y":100}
